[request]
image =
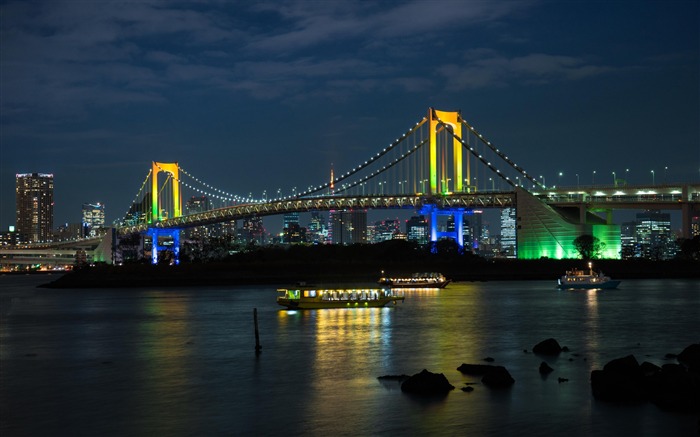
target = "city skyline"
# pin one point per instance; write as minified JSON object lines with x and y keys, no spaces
{"x":267,"y":97}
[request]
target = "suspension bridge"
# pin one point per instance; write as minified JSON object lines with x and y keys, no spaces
{"x":442,"y":165}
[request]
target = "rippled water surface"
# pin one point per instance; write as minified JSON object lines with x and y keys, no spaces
{"x":182,"y":361}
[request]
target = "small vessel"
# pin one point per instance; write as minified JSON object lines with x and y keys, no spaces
{"x":581,"y":279}
{"x":316,"y":298}
{"x":417,"y":280}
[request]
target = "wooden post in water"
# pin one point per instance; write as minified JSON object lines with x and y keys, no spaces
{"x":258,"y":348}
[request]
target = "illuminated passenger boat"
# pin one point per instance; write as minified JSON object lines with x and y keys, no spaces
{"x":317,"y":298}
{"x":579,"y":279}
{"x":417,"y":280}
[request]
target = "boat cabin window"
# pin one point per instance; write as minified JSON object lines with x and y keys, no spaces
{"x":309,"y":293}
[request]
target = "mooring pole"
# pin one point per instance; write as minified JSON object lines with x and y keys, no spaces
{"x":257,"y":336}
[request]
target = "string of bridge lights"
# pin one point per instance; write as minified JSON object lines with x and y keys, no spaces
{"x":138,"y":194}
{"x":223,"y":195}
{"x":386,"y":167}
{"x":496,"y":150}
{"x":368,"y":162}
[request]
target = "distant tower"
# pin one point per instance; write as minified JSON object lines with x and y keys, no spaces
{"x":34,"y":196}
{"x":332,"y":187}
{"x":348,"y":227}
{"x":508,"y":234}
{"x":93,"y":218}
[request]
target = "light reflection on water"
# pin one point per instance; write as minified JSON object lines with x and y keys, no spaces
{"x":182,"y":362}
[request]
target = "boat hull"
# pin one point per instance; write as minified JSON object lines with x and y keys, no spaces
{"x":310,"y":304}
{"x":608,"y":285}
{"x":391,"y":284}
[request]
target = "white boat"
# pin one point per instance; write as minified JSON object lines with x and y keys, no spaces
{"x":417,"y":280}
{"x":304,"y":298}
{"x":580,"y":279}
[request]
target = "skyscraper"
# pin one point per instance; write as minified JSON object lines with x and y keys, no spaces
{"x":508,"y":242}
{"x":34,"y":196}
{"x":417,"y":230}
{"x":348,"y":227}
{"x":654,"y":236}
{"x":194,"y":205}
{"x":385,"y":230}
{"x":93,"y":218}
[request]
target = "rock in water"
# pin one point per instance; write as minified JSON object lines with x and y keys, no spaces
{"x":427,"y":383}
{"x":547,"y":347}
{"x":545,"y":369}
{"x":498,"y":377}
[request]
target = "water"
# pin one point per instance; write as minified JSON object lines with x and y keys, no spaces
{"x":181,"y":361}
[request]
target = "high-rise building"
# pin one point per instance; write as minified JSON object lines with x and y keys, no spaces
{"x":417,"y":230}
{"x":508,"y":241}
{"x":317,"y":231}
{"x":253,"y":230}
{"x":349,"y":227}
{"x":385,"y":230}
{"x":195,"y":205}
{"x":290,"y":218}
{"x":654,"y":236}
{"x":628,"y":240}
{"x":93,"y":218}
{"x":695,"y":226}
{"x":34,"y":196}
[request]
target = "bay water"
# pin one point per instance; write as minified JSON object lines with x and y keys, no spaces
{"x":182,"y":361}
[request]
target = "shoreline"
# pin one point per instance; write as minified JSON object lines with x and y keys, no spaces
{"x":331,"y":271}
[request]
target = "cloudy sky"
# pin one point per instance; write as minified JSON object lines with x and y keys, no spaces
{"x":265,"y":95}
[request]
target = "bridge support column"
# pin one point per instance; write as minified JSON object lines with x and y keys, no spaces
{"x":582,"y":212}
{"x":164,"y":239}
{"x":433,"y":211}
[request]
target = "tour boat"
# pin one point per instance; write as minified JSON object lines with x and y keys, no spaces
{"x":317,"y":298}
{"x":579,"y":279}
{"x":417,"y":280}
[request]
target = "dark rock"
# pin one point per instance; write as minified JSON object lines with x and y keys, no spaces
{"x":498,"y":377}
{"x":400,"y":378}
{"x":489,"y":359}
{"x":475,"y":369}
{"x":565,"y":349}
{"x":468,"y":388}
{"x":493,"y":376}
{"x":545,"y":369}
{"x":547,"y":347}
{"x":620,"y":380}
{"x":690,"y":357}
{"x":649,"y":369}
{"x":670,"y":356}
{"x":674,"y":388}
{"x":525,"y":350}
{"x":427,"y":383}
{"x":562,"y":380}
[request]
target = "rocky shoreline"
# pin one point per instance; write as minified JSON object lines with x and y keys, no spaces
{"x":672,"y":387}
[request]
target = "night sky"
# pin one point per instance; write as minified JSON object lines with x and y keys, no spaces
{"x":265,"y":95}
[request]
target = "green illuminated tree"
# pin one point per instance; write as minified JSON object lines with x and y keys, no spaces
{"x":588,"y":246}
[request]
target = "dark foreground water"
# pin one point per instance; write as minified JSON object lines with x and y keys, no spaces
{"x":177,"y":362}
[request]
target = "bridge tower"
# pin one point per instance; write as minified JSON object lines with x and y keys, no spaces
{"x":453,"y":120}
{"x":164,"y":239}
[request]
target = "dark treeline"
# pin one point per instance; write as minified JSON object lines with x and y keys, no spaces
{"x":334,"y":264}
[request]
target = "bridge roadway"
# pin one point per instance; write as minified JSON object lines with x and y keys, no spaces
{"x":684,"y":197}
{"x":328,"y":203}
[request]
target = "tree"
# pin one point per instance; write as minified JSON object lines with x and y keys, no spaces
{"x":689,"y":248}
{"x":588,"y":246}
